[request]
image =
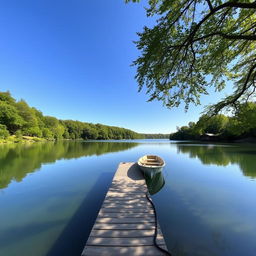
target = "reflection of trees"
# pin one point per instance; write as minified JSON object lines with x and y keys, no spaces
{"x":242,"y":155}
{"x":16,"y":160}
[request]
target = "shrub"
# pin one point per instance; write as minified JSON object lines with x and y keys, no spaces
{"x":4,"y":133}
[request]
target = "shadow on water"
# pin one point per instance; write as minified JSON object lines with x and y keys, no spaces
{"x":73,"y":238}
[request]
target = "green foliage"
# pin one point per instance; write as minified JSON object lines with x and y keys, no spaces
{"x":4,"y":133}
{"x":47,"y":133}
{"x":10,"y":117}
{"x":33,"y":131}
{"x":196,"y":44}
{"x":155,"y":136}
{"x":241,"y":125}
{"x":18,"y":134}
{"x":6,"y":97}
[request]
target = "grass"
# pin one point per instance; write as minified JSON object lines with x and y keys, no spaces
{"x":22,"y":139}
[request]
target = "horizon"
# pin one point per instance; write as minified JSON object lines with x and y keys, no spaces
{"x":72,"y":61}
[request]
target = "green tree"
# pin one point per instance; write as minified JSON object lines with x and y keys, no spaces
{"x":90,"y":133}
{"x":34,"y":131}
{"x":196,"y":44}
{"x":46,"y":133}
{"x":215,"y":124}
{"x":244,"y":121}
{"x":56,"y":128}
{"x":10,"y":117}
{"x":6,"y":96}
{"x":30,"y":126}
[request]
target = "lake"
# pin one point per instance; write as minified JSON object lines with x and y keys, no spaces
{"x":50,"y":194}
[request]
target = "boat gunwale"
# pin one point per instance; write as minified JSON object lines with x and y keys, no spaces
{"x":151,"y":166}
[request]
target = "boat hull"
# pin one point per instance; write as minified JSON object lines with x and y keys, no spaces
{"x":150,"y":171}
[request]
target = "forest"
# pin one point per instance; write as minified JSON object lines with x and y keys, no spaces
{"x":18,"y":119}
{"x":238,"y":126}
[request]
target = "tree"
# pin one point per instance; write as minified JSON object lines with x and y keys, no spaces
{"x":6,"y":96}
{"x":244,"y":121}
{"x":56,"y":128}
{"x":4,"y":133}
{"x":28,"y":114}
{"x":216,"y":124}
{"x":10,"y":117}
{"x":196,"y":44}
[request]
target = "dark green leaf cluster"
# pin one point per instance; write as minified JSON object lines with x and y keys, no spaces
{"x":156,"y":136}
{"x":241,"y":125}
{"x":17,"y":117}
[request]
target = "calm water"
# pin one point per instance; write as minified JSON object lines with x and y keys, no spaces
{"x":50,"y":194}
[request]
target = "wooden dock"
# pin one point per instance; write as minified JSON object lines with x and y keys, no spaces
{"x":125,"y":224}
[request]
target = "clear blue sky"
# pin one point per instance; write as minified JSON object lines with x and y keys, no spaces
{"x":71,"y":59}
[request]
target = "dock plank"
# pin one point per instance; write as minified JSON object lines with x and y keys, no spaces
{"x":124,"y":251}
{"x":122,"y":233}
{"x":125,"y":220}
{"x":122,"y":241}
{"x":125,"y":214}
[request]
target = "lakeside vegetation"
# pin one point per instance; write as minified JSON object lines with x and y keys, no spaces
{"x":20,"y":122}
{"x":240,"y":126}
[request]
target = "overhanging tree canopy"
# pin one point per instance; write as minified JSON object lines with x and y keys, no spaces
{"x":196,"y":44}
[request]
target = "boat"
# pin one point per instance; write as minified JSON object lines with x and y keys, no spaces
{"x":151,"y":164}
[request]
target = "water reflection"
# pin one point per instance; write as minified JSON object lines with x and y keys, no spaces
{"x":17,"y":160}
{"x":155,"y":183}
{"x":222,"y":155}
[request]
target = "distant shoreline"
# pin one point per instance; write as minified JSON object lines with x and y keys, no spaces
{"x":29,"y":139}
{"x":218,"y":140}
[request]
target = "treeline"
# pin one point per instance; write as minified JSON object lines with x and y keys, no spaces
{"x":18,"y":118}
{"x":155,"y":136}
{"x":220,"y":127}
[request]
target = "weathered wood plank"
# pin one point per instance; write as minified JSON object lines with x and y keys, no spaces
{"x":122,"y":233}
{"x":130,"y":210}
{"x":124,"y":251}
{"x":141,"y":200}
{"x":120,"y":241}
{"x":125,"y":214}
{"x":125,"y":220}
{"x":126,"y":205}
{"x":127,"y":191}
{"x":128,"y":202}
{"x":124,"y":226}
{"x":124,"y":241}
{"x":123,"y":196}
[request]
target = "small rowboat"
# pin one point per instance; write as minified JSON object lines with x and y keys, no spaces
{"x":151,"y":164}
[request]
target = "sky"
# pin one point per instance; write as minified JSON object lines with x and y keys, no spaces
{"x":72,"y":60}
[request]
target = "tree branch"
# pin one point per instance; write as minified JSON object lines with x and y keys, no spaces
{"x":231,"y":36}
{"x":209,"y":4}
